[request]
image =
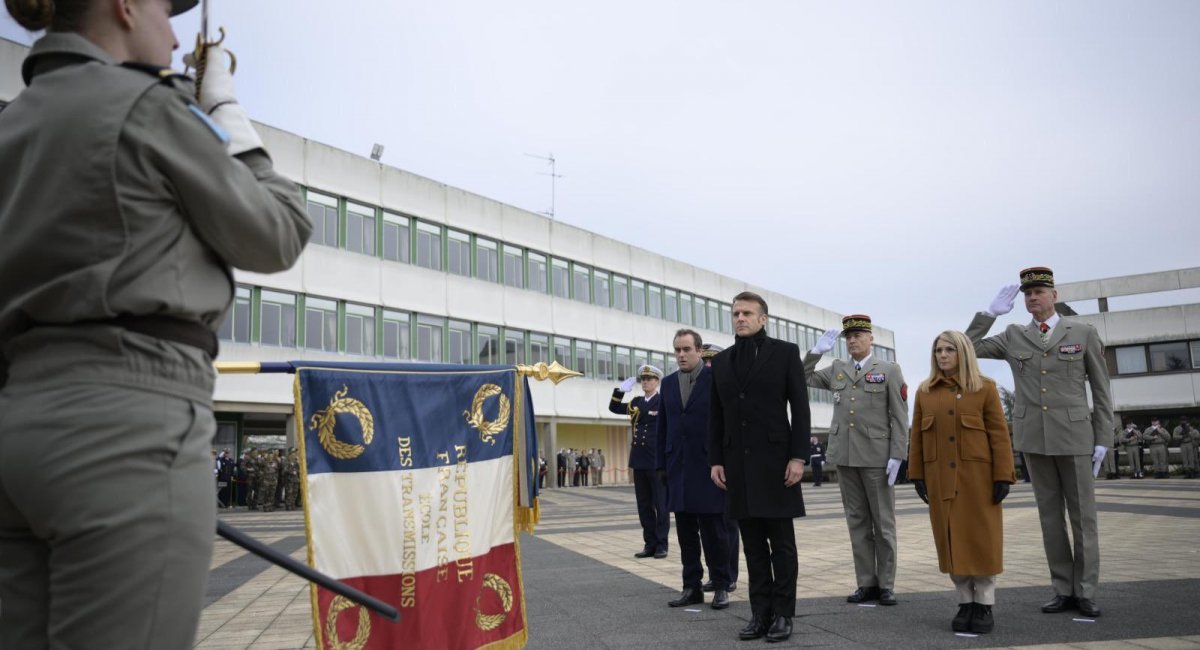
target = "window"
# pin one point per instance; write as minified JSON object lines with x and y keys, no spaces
{"x":582,"y":289}
{"x":1196,"y":355}
{"x":699,"y":313}
{"x":459,"y":339}
{"x":583,"y":358}
{"x":685,"y":308}
{"x":429,"y":246}
{"x":600,"y":288}
{"x":1131,"y":359}
{"x":320,"y":324}
{"x":671,"y":305}
{"x":277,"y":326}
{"x":514,"y":267}
{"x":560,"y":278}
{"x":637,"y":296}
{"x":562,"y":351}
{"x":514,"y":347}
{"x":640,"y":358}
{"x":658,"y":360}
{"x":604,"y":362}
{"x":360,"y":330}
{"x":539,"y":348}
{"x":725,"y":320}
{"x":620,"y":292}
{"x":360,"y":228}
{"x":458,"y":252}
{"x":397,"y":237}
{"x":791,"y":333}
{"x":323,"y":210}
{"x":1169,"y":357}
{"x":672,"y":365}
{"x":624,"y":363}
{"x":487,"y":260}
{"x":772,"y":328}
{"x":654,"y":306}
{"x":714,"y":315}
{"x":537,"y":272}
{"x":487,"y":345}
{"x":237,"y":322}
{"x":396,"y":332}
{"x":429,"y":338}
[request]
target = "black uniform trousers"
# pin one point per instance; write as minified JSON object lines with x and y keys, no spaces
{"x":651,"y":494}
{"x":770,"y":545}
{"x":706,"y":531}
{"x":818,"y":475}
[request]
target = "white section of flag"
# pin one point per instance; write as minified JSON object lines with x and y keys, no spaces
{"x":358,"y":518}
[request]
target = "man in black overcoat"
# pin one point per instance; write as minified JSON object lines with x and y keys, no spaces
{"x":758,"y":455}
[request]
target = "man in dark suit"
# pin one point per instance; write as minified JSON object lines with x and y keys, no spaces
{"x":698,"y":505}
{"x":707,"y":352}
{"x":561,"y":461}
{"x":758,"y":457}
{"x":649,"y":488}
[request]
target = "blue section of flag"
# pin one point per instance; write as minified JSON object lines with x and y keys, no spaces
{"x":420,"y":415}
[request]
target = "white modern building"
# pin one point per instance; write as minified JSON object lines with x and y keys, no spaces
{"x":402,"y":267}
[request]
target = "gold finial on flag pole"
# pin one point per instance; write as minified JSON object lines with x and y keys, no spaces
{"x":555,"y":372}
{"x":238,"y":367}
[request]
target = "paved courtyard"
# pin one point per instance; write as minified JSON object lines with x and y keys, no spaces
{"x":586,"y":590}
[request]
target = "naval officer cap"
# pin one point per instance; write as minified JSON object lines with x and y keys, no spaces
{"x":856,"y":323}
{"x":709,"y":350}
{"x":648,"y":370}
{"x":180,"y":6}
{"x":1037,"y":276}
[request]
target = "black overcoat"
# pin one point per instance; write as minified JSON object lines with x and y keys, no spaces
{"x":750,"y":433}
{"x":683,"y":447}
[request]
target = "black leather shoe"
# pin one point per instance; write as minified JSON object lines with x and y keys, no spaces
{"x":863,"y":594}
{"x":962,"y":620}
{"x":781,"y":629}
{"x":720,"y":599}
{"x":887,"y":597}
{"x":732,"y":587}
{"x":660,"y":554}
{"x":1089,"y":608}
{"x":755,"y":629}
{"x":646,"y":552}
{"x":708,"y":587}
{"x":1059,"y":604}
{"x":981,"y":619}
{"x":688,"y":597}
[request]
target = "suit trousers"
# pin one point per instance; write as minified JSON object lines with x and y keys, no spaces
{"x":733,"y":542}
{"x":651,"y":494}
{"x":696,"y":531}
{"x":770,"y":546}
{"x":870,"y":505}
{"x":106,"y":516}
{"x":1064,"y":488}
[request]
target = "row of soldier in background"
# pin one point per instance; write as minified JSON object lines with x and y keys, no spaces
{"x":1155,"y":440}
{"x":261,"y":479}
{"x":576,"y":468}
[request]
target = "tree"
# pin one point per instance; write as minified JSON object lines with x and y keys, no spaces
{"x":1007,"y":399}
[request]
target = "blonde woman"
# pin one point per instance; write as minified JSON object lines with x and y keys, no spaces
{"x":961,"y":464}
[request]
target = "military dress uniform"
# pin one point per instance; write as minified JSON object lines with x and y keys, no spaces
{"x":869,"y":427}
{"x":122,"y":213}
{"x":1158,"y":439}
{"x":1131,"y":441}
{"x":649,"y":487}
{"x":1187,"y":437}
{"x":1057,"y":431}
{"x":1110,"y":457}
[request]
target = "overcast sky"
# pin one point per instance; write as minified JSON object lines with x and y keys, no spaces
{"x":901,"y":159}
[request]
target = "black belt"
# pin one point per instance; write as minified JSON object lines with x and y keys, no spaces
{"x":165,"y":328}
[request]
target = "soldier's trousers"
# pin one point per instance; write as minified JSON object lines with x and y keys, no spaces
{"x":1110,"y":462}
{"x":1135,"y":460}
{"x":870,"y":505}
{"x":106,"y":516}
{"x":1064,"y":489}
{"x":1158,"y":456}
{"x":1188,"y":452}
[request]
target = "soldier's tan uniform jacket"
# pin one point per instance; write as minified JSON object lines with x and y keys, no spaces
{"x":143,"y":214}
{"x":1051,"y":415}
{"x":870,"y":416}
{"x":1156,"y":436}
{"x":1188,"y":436}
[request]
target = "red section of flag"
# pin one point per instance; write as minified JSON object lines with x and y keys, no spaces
{"x":459,"y":605}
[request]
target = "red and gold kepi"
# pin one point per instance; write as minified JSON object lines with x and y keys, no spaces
{"x":1037,"y":276}
{"x":856,"y":323}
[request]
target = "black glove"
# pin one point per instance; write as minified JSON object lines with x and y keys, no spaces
{"x":919,"y":485}
{"x":999,"y":491}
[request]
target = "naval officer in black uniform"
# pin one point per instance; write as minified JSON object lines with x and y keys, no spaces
{"x":649,"y":487}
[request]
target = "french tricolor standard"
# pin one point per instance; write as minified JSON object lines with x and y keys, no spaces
{"x":417,"y":479}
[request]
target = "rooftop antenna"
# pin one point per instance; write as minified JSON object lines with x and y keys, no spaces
{"x":553,"y":176}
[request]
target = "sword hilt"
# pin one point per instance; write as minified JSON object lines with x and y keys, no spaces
{"x":199,"y":57}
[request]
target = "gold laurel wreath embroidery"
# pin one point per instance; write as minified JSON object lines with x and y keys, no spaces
{"x":363,"y":632}
{"x":323,"y":421}
{"x":488,"y":622}
{"x":487,"y":430}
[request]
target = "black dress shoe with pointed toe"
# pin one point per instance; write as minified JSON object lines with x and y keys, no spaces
{"x":660,"y":553}
{"x":1058,"y":604}
{"x":863,"y":594}
{"x":1088,"y":607}
{"x":962,"y":620}
{"x":688,"y":597}
{"x":756,"y":628}
{"x":887,"y":597}
{"x":981,"y":619}
{"x":732,"y":587}
{"x":646,"y":552}
{"x":720,"y":599}
{"x":708,"y":587}
{"x":781,"y":629}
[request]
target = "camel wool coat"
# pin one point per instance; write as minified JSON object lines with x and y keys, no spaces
{"x":960,"y":447}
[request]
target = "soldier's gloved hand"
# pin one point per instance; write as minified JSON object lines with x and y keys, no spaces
{"x":826,"y":342}
{"x":217,"y":98}
{"x":1098,"y":454}
{"x":627,"y":385}
{"x":999,"y":491}
{"x":919,"y":486}
{"x":893,"y":470}
{"x":1003,"y":302}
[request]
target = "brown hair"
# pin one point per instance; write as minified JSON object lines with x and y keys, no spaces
{"x":693,"y":333}
{"x":57,"y":15}
{"x":750,"y":296}
{"x":969,"y":376}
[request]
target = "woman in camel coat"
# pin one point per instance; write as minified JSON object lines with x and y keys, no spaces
{"x":961,"y":464}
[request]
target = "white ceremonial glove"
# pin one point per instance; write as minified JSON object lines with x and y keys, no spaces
{"x":893,"y":470}
{"x":1098,"y":455}
{"x":1003,"y":302}
{"x":217,"y":98}
{"x":826,"y":342}
{"x":627,"y":385}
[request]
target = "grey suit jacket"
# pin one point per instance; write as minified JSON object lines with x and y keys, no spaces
{"x":870,"y":416}
{"x":1051,"y":414}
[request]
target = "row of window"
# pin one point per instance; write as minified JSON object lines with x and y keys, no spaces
{"x":1173,"y":356}
{"x":280,"y":319}
{"x":360,"y":228}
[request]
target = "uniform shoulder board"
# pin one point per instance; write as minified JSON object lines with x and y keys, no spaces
{"x":156,"y":71}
